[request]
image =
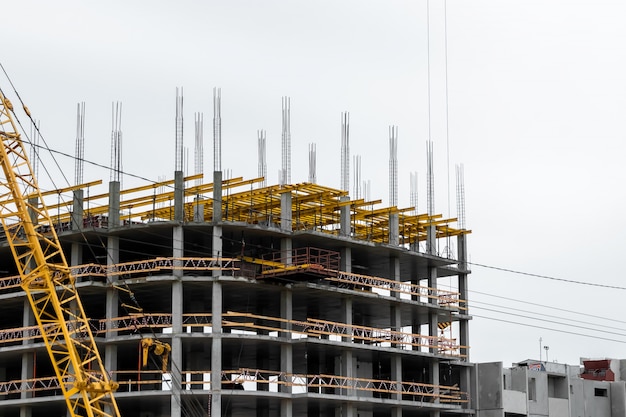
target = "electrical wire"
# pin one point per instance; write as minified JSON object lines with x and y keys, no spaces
{"x":542,"y":314}
{"x":529,"y":274}
{"x":547,"y":306}
{"x":552,"y":321}
{"x":551,"y":329}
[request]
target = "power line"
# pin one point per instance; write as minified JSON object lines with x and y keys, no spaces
{"x":529,"y":274}
{"x":552,"y":321}
{"x":551,"y":329}
{"x":544,"y":315}
{"x":547,"y":306}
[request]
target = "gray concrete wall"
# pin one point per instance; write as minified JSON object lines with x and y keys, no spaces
{"x":596,"y":405}
{"x":558,"y":407}
{"x":618,"y":398}
{"x":577,"y":398}
{"x":539,"y":405}
{"x":515,"y":402}
{"x":519,"y":379}
{"x":489,"y":390}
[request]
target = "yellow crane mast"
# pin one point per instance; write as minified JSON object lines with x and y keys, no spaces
{"x":47,"y":281}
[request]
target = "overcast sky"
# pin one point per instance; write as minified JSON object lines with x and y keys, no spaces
{"x":536,"y":98}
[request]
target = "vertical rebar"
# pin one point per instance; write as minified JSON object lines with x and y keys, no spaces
{"x":116,"y":142}
{"x":393,"y":166}
{"x":345,"y":151}
{"x":413,"y":193}
{"x":199,"y":148}
{"x":79,"y":160}
{"x":179,"y":130}
{"x":217,"y":129}
{"x":430,"y":191}
{"x":262,"y":152}
{"x":286,"y":141}
{"x":357,"y":177}
{"x":460,"y":196}
{"x":312,"y":163}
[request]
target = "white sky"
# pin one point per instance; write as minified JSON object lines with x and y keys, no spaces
{"x":536,"y":103}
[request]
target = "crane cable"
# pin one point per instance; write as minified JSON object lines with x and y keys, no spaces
{"x":198,"y":410}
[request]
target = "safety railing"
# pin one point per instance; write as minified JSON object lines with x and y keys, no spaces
{"x":247,"y":379}
{"x":308,"y":260}
{"x":310,"y":328}
{"x":369,"y":283}
{"x":300,"y":260}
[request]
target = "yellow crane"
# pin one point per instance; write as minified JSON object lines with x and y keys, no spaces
{"x":47,"y":281}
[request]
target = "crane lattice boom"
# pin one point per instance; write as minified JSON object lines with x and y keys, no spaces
{"x":46,"y":279}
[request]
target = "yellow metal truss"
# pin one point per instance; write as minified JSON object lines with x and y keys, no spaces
{"x":46,"y":279}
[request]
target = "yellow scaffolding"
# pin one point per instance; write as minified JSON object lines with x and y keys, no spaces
{"x":314,"y":207}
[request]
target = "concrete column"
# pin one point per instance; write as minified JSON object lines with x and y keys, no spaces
{"x":110,"y":350}
{"x":433,"y":327}
{"x":178,"y":249}
{"x":76,"y":254}
{"x":216,"y":350}
{"x":113,"y":257}
{"x":463,"y":293}
{"x":286,"y":349}
{"x":114,"y":204}
{"x":466,"y":378}
{"x":286,"y":225}
{"x":346,"y":259}
{"x":216,"y":250}
{"x":26,"y":411}
{"x":394,"y":229}
{"x":179,"y":196}
{"x":198,"y":211}
{"x":431,"y":240}
{"x":176,"y":355}
{"x":347,"y":359}
{"x":28,"y":369}
{"x":28,"y":358}
{"x":394,"y":273}
{"x":217,"y":196}
{"x":286,"y":219}
{"x":432,"y":284}
{"x":396,"y":324}
{"x":345,"y":228}
{"x":77,"y":210}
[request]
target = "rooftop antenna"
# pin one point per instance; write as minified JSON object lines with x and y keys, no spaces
{"x":357,"y":176}
{"x":262,"y":151}
{"x":393,"y":166}
{"x":80,"y":144}
{"x":312,"y":163}
{"x":413,"y":193}
{"x":460,"y":196}
{"x":286,"y":142}
{"x":178,"y":153}
{"x":217,"y":129}
{"x":116,"y":142}
{"x":345,"y":151}
{"x":199,"y":149}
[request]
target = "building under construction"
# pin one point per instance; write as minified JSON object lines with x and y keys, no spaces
{"x":229,"y":297}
